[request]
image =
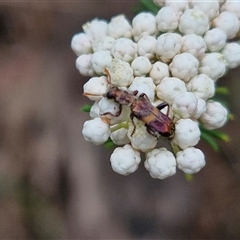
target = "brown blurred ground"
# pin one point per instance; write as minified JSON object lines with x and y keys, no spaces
{"x":55,"y":185}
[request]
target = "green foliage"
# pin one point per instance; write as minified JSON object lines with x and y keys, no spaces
{"x":147,"y":5}
{"x":86,"y":108}
{"x":109,"y":144}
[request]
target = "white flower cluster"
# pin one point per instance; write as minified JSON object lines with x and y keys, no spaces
{"x":176,"y":57}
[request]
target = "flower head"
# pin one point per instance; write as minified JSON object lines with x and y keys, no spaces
{"x":154,"y":77}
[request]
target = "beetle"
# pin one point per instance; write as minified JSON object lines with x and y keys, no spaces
{"x":156,"y":122}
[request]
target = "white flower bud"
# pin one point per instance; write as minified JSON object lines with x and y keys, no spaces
{"x":190,"y":160}
{"x":144,"y":24}
{"x":125,"y":160}
{"x":103,"y":43}
{"x":184,"y":66}
{"x":109,"y":108}
{"x":184,"y":105}
{"x":159,"y":71}
{"x":193,"y":44}
{"x":84,"y":66}
{"x":228,"y":22}
{"x":215,"y":39}
{"x":141,"y":66}
{"x":96,"y":28}
{"x":160,"y":163}
{"x":94,"y":111}
{"x":213,"y":65}
{"x":231,"y":53}
{"x":96,"y":131}
{"x":121,"y":73}
{"x":143,"y":85}
{"x":124,"y":49}
{"x":81,"y":44}
{"x":187,"y":133}
{"x":100,"y":60}
{"x":193,"y":21}
{"x":146,"y":47}
{"x":167,"y":19}
{"x":232,"y":7}
{"x":201,"y":108}
{"x":209,"y":8}
{"x":169,"y":87}
{"x":95,"y":88}
{"x":119,"y":137}
{"x":215,"y":115}
{"x":167,"y":46}
{"x":119,"y":27}
{"x":159,"y":3}
{"x":179,"y":5}
{"x":202,"y":86}
{"x":125,"y":115}
{"x":140,"y":138}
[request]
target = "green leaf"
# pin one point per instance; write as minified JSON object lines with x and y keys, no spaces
{"x":222,"y":90}
{"x":210,"y":140}
{"x":216,"y":134}
{"x":148,"y":5}
{"x":109,"y":144}
{"x":86,"y":108}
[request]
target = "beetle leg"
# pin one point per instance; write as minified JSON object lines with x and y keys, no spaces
{"x":117,"y":114}
{"x":134,"y":125}
{"x":135,"y":92}
{"x":108,"y":75}
{"x":163,"y":105}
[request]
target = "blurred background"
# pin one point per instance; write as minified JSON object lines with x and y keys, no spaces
{"x":53,"y":184}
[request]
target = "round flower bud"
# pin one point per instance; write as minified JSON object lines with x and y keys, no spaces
{"x":96,"y":131}
{"x":124,"y":49}
{"x":121,"y":73}
{"x":213,"y":65}
{"x":201,"y":108}
{"x":139,"y":137}
{"x":119,"y":137}
{"x":95,"y":88}
{"x":109,"y":108}
{"x":215,"y":39}
{"x":96,"y":28}
{"x":167,"y":46}
{"x":124,"y":115}
{"x":81,"y":44}
{"x":94,"y":111}
{"x":184,"y":66}
{"x":184,"y":105}
{"x":193,"y":44}
{"x":103,"y":43}
{"x":167,"y":19}
{"x":141,"y":66}
{"x":119,"y":27}
{"x":84,"y":66}
{"x":125,"y":160}
{"x":100,"y":60}
{"x":143,"y":85}
{"x":209,"y":8}
{"x":159,"y":71}
{"x":169,"y":87}
{"x":146,"y":47}
{"x":179,"y":5}
{"x":144,"y":24}
{"x":187,"y":133}
{"x":202,"y":86}
{"x":232,"y":7}
{"x":228,"y":22}
{"x":160,"y":163}
{"x":190,"y":160}
{"x":193,"y":21}
{"x":215,"y":115}
{"x":231,"y":53}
